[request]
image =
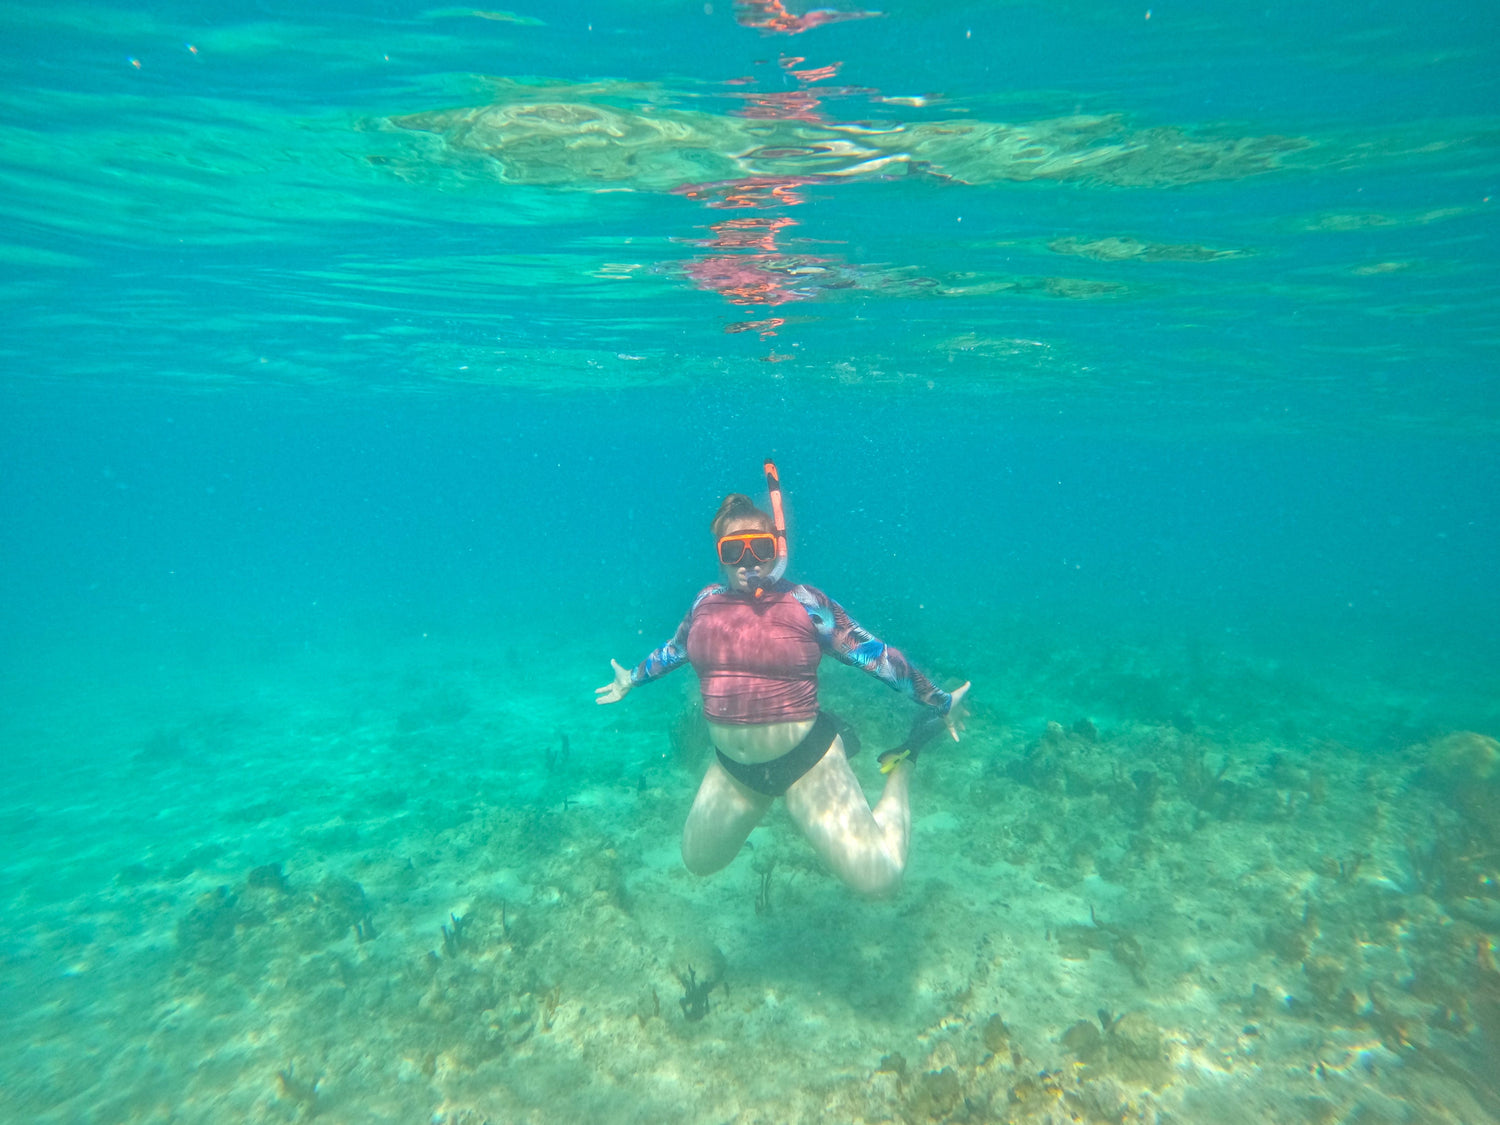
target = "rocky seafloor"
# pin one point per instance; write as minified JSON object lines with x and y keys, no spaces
{"x":405,"y":901}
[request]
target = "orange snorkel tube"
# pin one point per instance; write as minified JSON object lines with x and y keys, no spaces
{"x":778,"y":519}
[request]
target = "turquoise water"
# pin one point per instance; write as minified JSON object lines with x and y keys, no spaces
{"x":371,"y":377}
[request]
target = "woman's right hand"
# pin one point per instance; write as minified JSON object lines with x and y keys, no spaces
{"x":954,"y":718}
{"x":616,"y":691}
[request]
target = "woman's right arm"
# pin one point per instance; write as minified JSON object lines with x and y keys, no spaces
{"x":618,"y":688}
{"x":671,"y":655}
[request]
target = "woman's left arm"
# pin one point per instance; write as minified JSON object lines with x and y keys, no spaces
{"x":846,"y":640}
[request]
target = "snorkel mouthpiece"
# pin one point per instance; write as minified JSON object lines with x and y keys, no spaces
{"x":764,"y":581}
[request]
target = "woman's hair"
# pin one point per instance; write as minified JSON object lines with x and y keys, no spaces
{"x":739,"y":508}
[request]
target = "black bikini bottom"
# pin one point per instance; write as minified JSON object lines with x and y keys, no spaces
{"x":775,"y":777}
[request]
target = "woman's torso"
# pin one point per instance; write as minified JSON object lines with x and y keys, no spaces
{"x":757,"y":671}
{"x":758,"y":742}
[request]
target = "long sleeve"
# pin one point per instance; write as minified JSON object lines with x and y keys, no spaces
{"x":674,"y":653}
{"x":847,"y":641}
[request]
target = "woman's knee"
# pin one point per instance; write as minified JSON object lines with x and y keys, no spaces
{"x":706,"y":849}
{"x":875,"y":880}
{"x":700,"y":860}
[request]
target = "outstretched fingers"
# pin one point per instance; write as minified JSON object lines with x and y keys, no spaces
{"x":956,"y":712}
{"x":616,"y":690}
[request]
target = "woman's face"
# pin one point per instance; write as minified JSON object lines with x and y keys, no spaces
{"x":739,"y":578}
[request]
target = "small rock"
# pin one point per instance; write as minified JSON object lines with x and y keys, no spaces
{"x":1083,"y":1040}
{"x":996,"y":1035}
{"x":1135,"y":1035}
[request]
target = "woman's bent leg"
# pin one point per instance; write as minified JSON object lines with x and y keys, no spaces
{"x":723,"y":814}
{"x":866,"y":849}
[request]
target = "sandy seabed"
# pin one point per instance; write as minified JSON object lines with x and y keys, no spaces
{"x":1148,"y":886}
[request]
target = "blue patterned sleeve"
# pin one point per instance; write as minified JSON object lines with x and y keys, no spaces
{"x":846,"y":640}
{"x":674,"y":653}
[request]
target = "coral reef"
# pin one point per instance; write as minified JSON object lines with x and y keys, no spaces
{"x":694,"y":999}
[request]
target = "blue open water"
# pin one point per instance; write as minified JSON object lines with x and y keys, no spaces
{"x":371,"y":375}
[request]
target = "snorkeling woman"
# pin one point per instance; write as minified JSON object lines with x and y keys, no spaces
{"x":755,"y":640}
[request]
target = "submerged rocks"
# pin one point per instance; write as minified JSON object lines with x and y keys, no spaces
{"x":1462,"y":758}
{"x":996,"y":1035}
{"x":936,"y":1094}
{"x":1465,"y":768}
{"x":305,"y":921}
{"x":268,"y":876}
{"x":213,"y":918}
{"x":1062,"y":760}
{"x":1135,"y":1036}
{"x":1130,"y":1047}
{"x":1083,"y":1040}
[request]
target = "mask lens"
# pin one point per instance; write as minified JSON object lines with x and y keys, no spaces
{"x":734,"y":548}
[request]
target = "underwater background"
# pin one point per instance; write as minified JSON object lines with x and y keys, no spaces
{"x":371,"y":376}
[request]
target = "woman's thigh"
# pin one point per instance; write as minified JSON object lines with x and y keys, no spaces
{"x":830,"y":807}
{"x":723,"y":814}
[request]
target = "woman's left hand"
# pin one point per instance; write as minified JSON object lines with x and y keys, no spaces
{"x":954,"y":719}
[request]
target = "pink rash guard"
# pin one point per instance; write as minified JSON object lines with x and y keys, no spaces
{"x":757,"y":659}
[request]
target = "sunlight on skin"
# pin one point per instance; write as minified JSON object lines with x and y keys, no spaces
{"x":866,"y":849}
{"x":722,"y":817}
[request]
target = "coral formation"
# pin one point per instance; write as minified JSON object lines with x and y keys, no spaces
{"x":694,"y":999}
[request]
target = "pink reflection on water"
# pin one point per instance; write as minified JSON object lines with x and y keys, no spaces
{"x":755,"y":279}
{"x":757,"y":270}
{"x":747,"y":234}
{"x":750,"y":265}
{"x":772,"y":17}
{"x":802,"y":104}
{"x":750,"y":192}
